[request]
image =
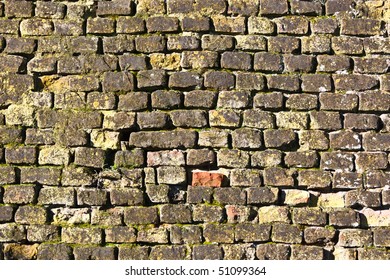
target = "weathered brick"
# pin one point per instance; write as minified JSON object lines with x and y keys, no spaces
{"x":129,"y":25}
{"x":217,"y":42}
{"x":236,"y":60}
{"x":162,"y":24}
{"x":81,"y":235}
{"x":100,"y":25}
{"x":224,"y":118}
{"x":266,"y":158}
{"x":315,"y":179}
{"x":195,"y":24}
{"x":325,"y":120}
{"x":286,"y":233}
{"x":299,"y":252}
{"x":370,"y":65}
{"x":162,"y":99}
{"x":234,"y":25}
{"x":22,"y":155}
{"x":213,"y":138}
{"x":337,"y":161}
{"x":370,"y":161}
{"x":327,"y":25}
{"x":36,"y":27}
{"x":163,"y":139}
{"x":230,"y":196}
{"x":117,"y":7}
{"x":118,"y":44}
{"x":303,"y":159}
{"x":295,"y":25}
{"x":284,"y":82}
{"x":219,"y":80}
{"x":207,"y":252}
{"x":171,"y":175}
{"x":318,"y":235}
{"x":179,"y":43}
{"x":378,"y":179}
{"x":140,"y":215}
{"x":374,"y":101}
{"x":7,"y":175}
{"x":153,"y":235}
{"x":260,"y":25}
{"x":316,"y":83}
{"x":246,"y":138}
{"x":133,"y":253}
{"x":360,"y":27}
{"x":20,"y":252}
{"x":54,"y":252}
{"x":268,"y":101}
{"x":309,"y":216}
{"x":232,"y":158}
{"x":199,"y":195}
{"x":344,"y":217}
{"x":126,"y":197}
{"x":57,"y":196}
{"x":355,"y":238}
{"x":302,"y":102}
{"x":284,"y":44}
{"x":279,"y":138}
{"x":278,"y":7}
{"x":207,"y":213}
{"x":354,"y":82}
{"x":6,"y":214}
{"x":218,"y":233}
{"x":276,"y":176}
{"x":185,"y":80}
{"x":376,"y":141}
{"x":150,"y":44}
{"x":168,"y":253}
{"x":262,"y":196}
{"x":31,"y":215}
{"x":347,"y":180}
{"x":273,"y":251}
{"x":365,"y":198}
{"x":91,"y":197}
{"x":185,"y":235}
{"x":78,"y":176}
{"x":19,"y":194}
{"x":9,"y":26}
{"x":23,"y":9}
{"x":94,"y":253}
{"x":292,"y":120}
{"x":306,"y":7}
{"x":316,"y":44}
{"x":200,"y":157}
{"x":347,"y":45}
{"x":345,"y":140}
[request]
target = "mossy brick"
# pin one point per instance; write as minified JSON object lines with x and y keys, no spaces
{"x":133,"y":253}
{"x":355,"y":238}
{"x":168,"y":253}
{"x":292,"y":120}
{"x":276,"y":176}
{"x":199,"y":195}
{"x":118,"y":81}
{"x":319,"y":235}
{"x":219,"y":233}
{"x":289,"y":83}
{"x":151,"y":7}
{"x":260,"y":25}
{"x":89,"y":196}
{"x":54,"y":252}
{"x":336,"y":6}
{"x":7,"y":175}
{"x":153,"y":235}
{"x":248,"y":232}
{"x":12,"y":63}
{"x":179,"y":43}
{"x":245,"y":178}
{"x":140,"y":215}
{"x":273,"y":251}
{"x":381,"y":237}
{"x":316,"y":44}
{"x":133,"y":101}
{"x":286,"y":233}
{"x":154,"y":119}
{"x":313,"y":140}
{"x":39,"y":136}
{"x":185,"y":80}
{"x":21,"y":155}
{"x":94,"y":253}
{"x":376,"y":141}
{"x":246,"y":138}
{"x":345,"y":140}
{"x":226,"y":196}
{"x":360,"y":27}
{"x":163,"y":139}
{"x":23,"y":9}
{"x":370,"y":65}
{"x":336,"y":102}
{"x":279,"y":138}
{"x":217,"y":42}
{"x":19,"y":194}
{"x":190,"y":234}
{"x":175,"y":214}
{"x":233,"y":99}
{"x":278,"y":7}
{"x":213,"y":138}
{"x":224,"y":118}
{"x":56,"y":196}
{"x":344,"y":217}
{"x":105,"y":139}
{"x":316,"y":83}
{"x":117,"y":7}
{"x":107,"y":218}
{"x":266,"y":158}
{"x":9,"y":26}
{"x":131,"y":177}
{"x":374,"y":101}
{"x":302,"y":102}
{"x":268,"y":101}
{"x":31,"y":215}
{"x":250,"y":81}
{"x":300,"y":252}
{"x":42,"y":175}
{"x":101,"y":101}
{"x":200,"y":157}
{"x":162,"y":24}
{"x":42,"y":233}
{"x":207,"y":213}
{"x":163,"y":99}
{"x":79,"y":235}
{"x":292,"y":25}
{"x":207,"y":7}
{"x":347,"y":45}
{"x":71,"y":216}
{"x":236,"y":60}
{"x":199,"y":59}
{"x":284,"y":44}
{"x":130,"y":25}
{"x":90,"y":157}
{"x":129,"y":158}
{"x":309,"y":216}
{"x":165,"y":61}
{"x":233,"y":158}
{"x":54,"y":155}
{"x":268,"y":62}
{"x":195,"y":23}
{"x":347,"y":180}
{"x":326,"y":25}
{"x":150,"y":44}
{"x":365,"y":161}
{"x":6,"y":213}
{"x":118,"y":44}
{"x":325,"y":120}
{"x":305,"y":7}
{"x":14,"y":251}
{"x":19,"y":115}
{"x":36,"y":27}
{"x":126,"y":197}
{"x":171,"y":175}
{"x":50,"y":10}
{"x":42,"y":65}
{"x":12,"y":232}
{"x":256,"y":118}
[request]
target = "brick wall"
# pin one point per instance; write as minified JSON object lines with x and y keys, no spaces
{"x":108,"y":108}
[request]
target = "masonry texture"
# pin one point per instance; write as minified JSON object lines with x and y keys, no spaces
{"x":195,"y":129}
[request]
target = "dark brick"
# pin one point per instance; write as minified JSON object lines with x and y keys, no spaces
{"x":355,"y":238}
{"x":133,"y":253}
{"x":22,"y":155}
{"x":279,"y":138}
{"x":266,"y":158}
{"x":31,"y":215}
{"x":324,"y":25}
{"x":91,"y":197}
{"x":219,"y":80}
{"x":376,"y":141}
{"x":118,"y":7}
{"x":162,"y":24}
{"x":217,"y":42}
{"x":277,"y":7}
{"x":325,"y":120}
{"x":233,"y":25}
{"x":94,"y":253}
{"x":315,"y":179}
{"x":267,"y":62}
{"x":218,"y":233}
{"x":134,"y":101}
{"x":100,"y":26}
{"x":309,"y":216}
{"x":301,"y":159}
{"x":299,"y":252}
{"x":294,"y":25}
{"x":150,"y":44}
{"x":230,"y":196}
{"x":286,"y":233}
{"x":302,"y":102}
{"x":370,"y":65}
{"x":346,"y":217}
{"x":199,"y":195}
{"x":251,"y":42}
{"x":118,"y":44}
{"x":207,"y":252}
{"x":337,"y":161}
{"x":23,"y":9}
{"x":151,"y":79}
{"x":232,"y":158}
{"x":338,"y":102}
{"x":185,"y":80}
{"x":318,"y":235}
{"x":374,"y":101}
{"x":306,"y":7}
{"x":279,"y":177}
{"x":360,"y":27}
{"x":179,"y":43}
{"x":168,"y":253}
{"x":6,"y":213}
{"x":163,"y":139}
{"x":54,"y":252}
{"x":129,"y":25}
{"x":19,"y":194}
{"x":347,"y":180}
{"x":250,"y":81}
{"x":210,"y":7}
{"x":370,"y":161}
{"x":347,"y":45}
{"x":365,"y":198}
{"x":132,"y":62}
{"x":195,"y":24}
{"x":126,"y":197}
{"x":289,"y":83}
{"x":236,"y":60}
{"x":268,"y":101}
{"x":246,"y":138}
{"x":262,"y":196}
{"x":191,"y":234}
{"x":260,"y":25}
{"x":140,"y":215}
{"x":337,"y":6}
{"x":345,"y":140}
{"x":273,"y":251}
{"x":354,"y":82}
{"x":283,"y":44}
{"x":316,"y":44}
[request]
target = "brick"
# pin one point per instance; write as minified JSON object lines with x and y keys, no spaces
{"x":337,"y":161}
{"x":42,"y":233}
{"x":284,"y":83}
{"x":118,"y":7}
{"x":6,"y":214}
{"x":315,"y":179}
{"x":22,"y":155}
{"x":41,"y":175}
{"x":207,"y":252}
{"x":200,"y":157}
{"x":376,"y":141}
{"x":19,"y":194}
{"x":23,"y":9}
{"x":258,"y":119}
{"x":171,"y":175}
{"x":304,"y":159}
{"x":279,"y":138}
{"x":316,"y":83}
{"x":82,"y":235}
{"x":133,"y":253}
{"x":12,"y":63}
{"x":236,"y":60}
{"x":31,"y":215}
{"x":186,"y":235}
{"x":36,"y":27}
{"x":262,"y":196}
{"x":213,"y":138}
{"x":224,"y":118}
{"x":355,"y":238}
{"x":273,"y":251}
{"x":336,"y":6}
{"x":316,"y":44}
{"x":365,"y":198}
{"x":150,"y":44}
{"x":208,"y":213}
{"x":251,"y":42}
{"x":276,"y":176}
{"x":250,"y":81}
{"x":283,"y":44}
{"x":267,"y":62}
{"x":118,"y":81}
{"x":165,"y":61}
{"x":163,"y":139}
{"x":286,"y":233}
{"x":162,"y":24}
{"x":178,"y":43}
{"x":294,"y":25}
{"x":324,"y":25}
{"x":360,"y":27}
{"x":153,"y":235}
{"x":20,"y":252}
{"x":379,"y":45}
{"x":12,"y":233}
{"x":347,"y":180}
{"x":107,"y":218}
{"x":94,"y":253}
{"x":7,"y":175}
{"x":54,"y":252}
{"x":266,"y":158}
{"x":57,"y":196}
{"x":199,"y":59}
{"x":233,"y":99}
{"x":219,"y":80}
{"x":39,"y":137}
{"x":232,"y":25}
{"x":217,"y":42}
{"x":129,"y":25}
{"x":232,"y":158}
{"x":118,"y":44}
{"x":378,"y":179}
{"x":245,"y":8}
{"x":306,"y":8}
{"x":151,"y":79}
{"x":50,"y":10}
{"x":260,"y":25}
{"x":313,"y":140}
{"x":292,"y":120}
{"x":195,"y":24}
{"x":354,"y":82}
{"x":374,"y":101}
{"x":155,"y":119}
{"x":344,"y":218}
{"x":325,"y":120}
{"x":278,"y":7}
{"x":100,"y":26}
{"x":19,"y":115}
{"x":91,"y":197}
{"x":302,"y":102}
{"x":309,"y":216}
{"x":299,"y":252}
{"x":373,"y":254}
{"x":370,"y":65}
{"x":207,"y":179}
{"x":158,"y":193}
{"x":147,"y":7}
{"x":218,"y":233}
{"x":268,"y":101}
{"x":9,"y":26}
{"x":185,"y":80}
{"x":207,"y":7}
{"x":245,"y":178}
{"x":168,"y":253}
{"x":126,"y":197}
{"x":246,"y":138}
{"x":83,"y":156}
{"x":338,"y":102}
{"x":347,"y":45}
{"x":345,"y":140}
{"x":140,"y":215}
{"x":318,"y":235}
{"x":230,"y":196}
{"x":166,"y":99}
{"x":370,"y":161}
